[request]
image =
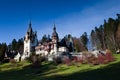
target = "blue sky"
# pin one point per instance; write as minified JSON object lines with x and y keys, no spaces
{"x":70,"y":16}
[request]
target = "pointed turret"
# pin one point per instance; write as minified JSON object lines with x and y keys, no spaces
{"x":55,"y":39}
{"x":54,"y":28}
{"x":55,"y":34}
{"x":29,"y":31}
{"x":30,"y":41}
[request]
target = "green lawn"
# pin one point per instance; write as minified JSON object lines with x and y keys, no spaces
{"x":49,"y":71}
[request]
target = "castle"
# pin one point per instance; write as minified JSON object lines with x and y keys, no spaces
{"x":50,"y":47}
{"x":30,"y":42}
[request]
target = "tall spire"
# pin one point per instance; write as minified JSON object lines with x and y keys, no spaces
{"x":30,"y":24}
{"x":55,"y":34}
{"x":30,"y":27}
{"x":54,"y":28}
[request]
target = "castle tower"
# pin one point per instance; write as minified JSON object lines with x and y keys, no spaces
{"x":30,"y":41}
{"x":55,"y":39}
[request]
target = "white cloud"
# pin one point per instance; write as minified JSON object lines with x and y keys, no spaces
{"x":83,"y":21}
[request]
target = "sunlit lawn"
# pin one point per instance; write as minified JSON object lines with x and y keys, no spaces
{"x":49,"y":71}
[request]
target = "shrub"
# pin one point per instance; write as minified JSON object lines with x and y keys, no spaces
{"x":36,"y":64}
{"x":66,"y":60}
{"x":109,"y":56}
{"x":12,"y":61}
{"x":92,"y":60}
{"x":57,"y":60}
{"x":5,"y":61}
{"x":82,"y":59}
{"x":102,"y":59}
{"x":36,"y":61}
{"x":43,"y":58}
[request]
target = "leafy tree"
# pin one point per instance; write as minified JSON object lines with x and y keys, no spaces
{"x":20,"y":45}
{"x":107,"y":35}
{"x":3,"y":49}
{"x":93,"y":38}
{"x":78,"y":46}
{"x":118,"y":37}
{"x":14,"y":45}
{"x":44,"y":38}
{"x":84,"y":39}
{"x":110,"y":30}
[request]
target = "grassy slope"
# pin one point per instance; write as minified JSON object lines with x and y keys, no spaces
{"x":48,"y":71}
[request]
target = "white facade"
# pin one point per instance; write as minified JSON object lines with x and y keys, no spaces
{"x":63,"y":49}
{"x":55,"y":48}
{"x":52,"y":47}
{"x":17,"y":57}
{"x":30,"y":42}
{"x":27,"y":47}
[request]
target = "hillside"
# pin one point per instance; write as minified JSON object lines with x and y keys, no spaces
{"x":49,"y":71}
